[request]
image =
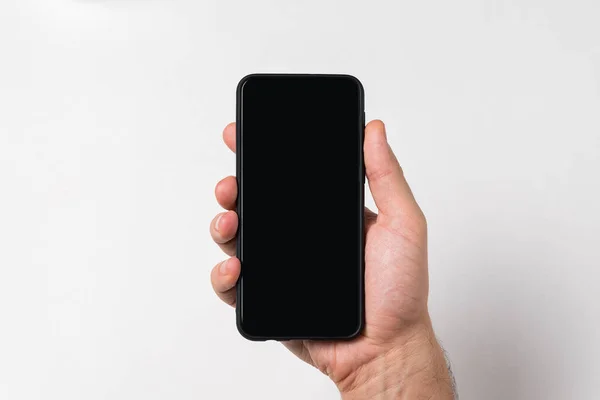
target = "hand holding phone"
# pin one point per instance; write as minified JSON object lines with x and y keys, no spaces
{"x":397,"y":351}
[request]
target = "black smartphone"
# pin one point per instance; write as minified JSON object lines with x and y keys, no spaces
{"x":300,"y":175}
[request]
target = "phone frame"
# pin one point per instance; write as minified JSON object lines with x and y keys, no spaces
{"x":239,"y":205}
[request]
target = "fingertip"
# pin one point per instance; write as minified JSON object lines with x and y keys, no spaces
{"x":224,"y":268}
{"x":224,"y":227}
{"x":229,"y":128}
{"x":376,"y":124}
{"x":229,"y":134}
{"x":378,"y":156}
{"x":233,"y":267}
{"x":219,"y":190}
{"x":226,"y":274}
{"x":224,"y":277}
{"x":375,"y":131}
{"x":226,"y":192}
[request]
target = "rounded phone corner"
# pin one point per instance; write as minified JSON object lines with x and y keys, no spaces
{"x":244,"y":80}
{"x":356,"y":81}
{"x":356,"y":333}
{"x":245,"y":334}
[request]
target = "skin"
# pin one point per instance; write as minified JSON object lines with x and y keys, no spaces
{"x":397,"y":355}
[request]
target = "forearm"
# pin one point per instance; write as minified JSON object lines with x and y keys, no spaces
{"x":413,"y":369}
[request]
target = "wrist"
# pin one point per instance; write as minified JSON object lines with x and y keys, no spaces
{"x":411,"y":367}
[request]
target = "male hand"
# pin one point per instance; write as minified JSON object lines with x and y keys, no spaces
{"x":397,"y":356}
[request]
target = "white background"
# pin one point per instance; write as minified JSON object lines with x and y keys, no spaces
{"x":111,"y":115}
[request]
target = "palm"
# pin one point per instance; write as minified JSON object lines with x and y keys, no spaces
{"x":396,"y":287}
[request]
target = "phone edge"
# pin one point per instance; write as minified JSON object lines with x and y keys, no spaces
{"x":362,"y":174}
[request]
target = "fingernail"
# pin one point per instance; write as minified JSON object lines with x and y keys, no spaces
{"x":223,"y":269}
{"x":217,"y":222}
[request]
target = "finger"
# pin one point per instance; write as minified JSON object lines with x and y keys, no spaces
{"x":223,"y":278}
{"x":229,"y":136}
{"x":226,"y":192}
{"x":223,"y":229}
{"x":390,"y":190}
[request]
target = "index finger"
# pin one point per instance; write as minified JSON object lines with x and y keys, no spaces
{"x":229,"y":136}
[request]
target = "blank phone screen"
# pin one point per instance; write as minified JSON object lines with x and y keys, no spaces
{"x":300,"y":202}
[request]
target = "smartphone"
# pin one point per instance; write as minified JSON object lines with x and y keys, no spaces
{"x":300,"y":176}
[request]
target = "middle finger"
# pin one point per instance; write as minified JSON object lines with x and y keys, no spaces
{"x":223,"y":229}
